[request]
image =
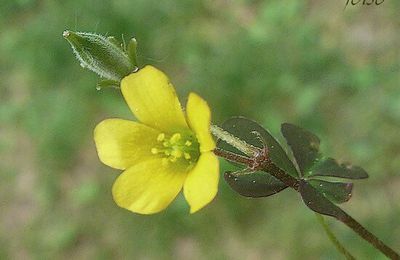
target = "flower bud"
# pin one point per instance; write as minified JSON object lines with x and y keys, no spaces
{"x":101,"y":55}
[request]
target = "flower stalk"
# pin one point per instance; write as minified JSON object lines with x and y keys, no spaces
{"x":239,"y":144}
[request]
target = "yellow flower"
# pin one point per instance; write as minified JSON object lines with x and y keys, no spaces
{"x":164,"y":151}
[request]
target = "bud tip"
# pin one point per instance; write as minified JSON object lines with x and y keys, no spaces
{"x":66,"y":33}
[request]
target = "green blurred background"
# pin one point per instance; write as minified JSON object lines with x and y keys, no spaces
{"x":312,"y":63}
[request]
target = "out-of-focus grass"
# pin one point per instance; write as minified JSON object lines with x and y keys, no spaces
{"x":334,"y":72}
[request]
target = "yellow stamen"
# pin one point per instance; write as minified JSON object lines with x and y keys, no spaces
{"x":187,"y":156}
{"x":173,"y":147}
{"x":161,"y":137}
{"x":175,"y":138}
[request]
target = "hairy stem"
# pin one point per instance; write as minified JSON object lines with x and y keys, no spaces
{"x":232,"y":157}
{"x":271,"y":168}
{"x":239,"y":144}
{"x":368,"y":236}
{"x":343,"y":217}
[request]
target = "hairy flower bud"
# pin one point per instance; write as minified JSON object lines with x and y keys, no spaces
{"x":102,"y":55}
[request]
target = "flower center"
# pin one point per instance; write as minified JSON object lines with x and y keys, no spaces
{"x":177,"y":147}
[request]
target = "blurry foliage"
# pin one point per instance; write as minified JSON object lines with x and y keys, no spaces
{"x":331,"y":71}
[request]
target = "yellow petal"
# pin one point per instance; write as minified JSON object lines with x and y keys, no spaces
{"x":199,"y":119}
{"x":148,"y":187}
{"x":122,"y":143}
{"x":153,"y":100}
{"x":201,"y":185}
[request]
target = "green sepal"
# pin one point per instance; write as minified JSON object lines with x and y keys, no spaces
{"x":114,"y":41}
{"x":131,"y":50}
{"x":107,"y":84}
{"x":254,"y":134}
{"x":253,"y":184}
{"x":100,"y":55}
{"x":337,"y":192}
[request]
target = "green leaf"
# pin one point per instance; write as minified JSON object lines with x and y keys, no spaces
{"x":246,"y":130}
{"x":304,"y":145}
{"x":330,"y":167}
{"x":254,"y":184}
{"x":337,"y":192}
{"x":317,"y":202}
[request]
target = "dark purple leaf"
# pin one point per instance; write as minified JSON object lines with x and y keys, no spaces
{"x":330,"y":167}
{"x":317,"y":202}
{"x":254,"y":184}
{"x":337,"y":192}
{"x":304,"y":145}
